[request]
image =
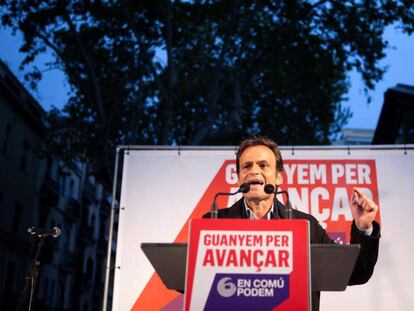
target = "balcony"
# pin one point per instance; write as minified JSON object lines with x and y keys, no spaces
{"x":49,"y":193}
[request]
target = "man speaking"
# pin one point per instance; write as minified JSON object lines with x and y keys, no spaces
{"x":259,"y":164}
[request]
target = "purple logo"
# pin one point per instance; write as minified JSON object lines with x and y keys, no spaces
{"x":245,"y":292}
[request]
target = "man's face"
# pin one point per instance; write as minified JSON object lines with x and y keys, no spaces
{"x":258,"y":168}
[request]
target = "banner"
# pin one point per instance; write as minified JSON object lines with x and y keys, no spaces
{"x":163,"y":189}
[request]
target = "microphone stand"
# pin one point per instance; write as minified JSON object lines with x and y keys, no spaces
{"x":288,"y":206}
{"x":288,"y":210}
{"x":32,"y":275}
{"x":214,"y":210}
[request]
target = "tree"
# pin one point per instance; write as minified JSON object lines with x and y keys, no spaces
{"x":202,"y":72}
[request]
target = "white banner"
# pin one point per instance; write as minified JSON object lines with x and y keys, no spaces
{"x":163,"y":189}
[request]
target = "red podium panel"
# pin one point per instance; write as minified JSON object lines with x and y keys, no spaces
{"x":241,"y":264}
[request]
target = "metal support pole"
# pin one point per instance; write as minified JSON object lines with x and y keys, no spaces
{"x":111,"y":225}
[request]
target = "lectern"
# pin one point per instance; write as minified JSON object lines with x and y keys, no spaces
{"x":231,"y":264}
{"x":331,"y":264}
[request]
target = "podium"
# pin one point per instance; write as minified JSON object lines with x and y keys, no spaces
{"x":169,"y":261}
{"x":330,"y":267}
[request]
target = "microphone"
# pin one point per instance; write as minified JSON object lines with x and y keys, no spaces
{"x":43,"y":233}
{"x":244,"y":188}
{"x":269,"y":188}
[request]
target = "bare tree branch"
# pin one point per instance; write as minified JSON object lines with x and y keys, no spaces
{"x":167,"y":110}
{"x":218,"y":86}
{"x":92,"y":72}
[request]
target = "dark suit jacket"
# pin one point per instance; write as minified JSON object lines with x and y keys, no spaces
{"x":364,"y":266}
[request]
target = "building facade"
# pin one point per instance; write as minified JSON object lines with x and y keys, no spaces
{"x":46,"y":192}
{"x":352,"y":136}
{"x":21,"y":134}
{"x":396,"y":121}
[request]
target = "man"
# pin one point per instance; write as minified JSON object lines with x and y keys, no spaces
{"x":258,"y":163}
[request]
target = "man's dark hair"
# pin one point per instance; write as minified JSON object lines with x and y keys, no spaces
{"x":260,"y":141}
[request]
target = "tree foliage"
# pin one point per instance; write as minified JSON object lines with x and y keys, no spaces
{"x":202,"y":72}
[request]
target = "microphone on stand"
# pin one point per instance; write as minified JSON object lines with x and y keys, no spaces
{"x":31,"y":278}
{"x":272,"y":189}
{"x":43,"y":233}
{"x":244,"y":188}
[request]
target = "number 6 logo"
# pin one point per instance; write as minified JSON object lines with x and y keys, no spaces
{"x":226,"y":288}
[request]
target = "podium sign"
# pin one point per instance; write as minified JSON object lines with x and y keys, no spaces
{"x":241,"y":264}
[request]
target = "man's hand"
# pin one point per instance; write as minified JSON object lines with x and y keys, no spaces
{"x":363,"y":209}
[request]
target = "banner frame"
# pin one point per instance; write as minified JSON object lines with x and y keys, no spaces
{"x":121,"y":149}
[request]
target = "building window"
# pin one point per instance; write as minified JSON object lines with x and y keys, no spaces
{"x":24,"y":158}
{"x":406,"y":130}
{"x":48,"y":172}
{"x":18,"y":209}
{"x":8,"y":282}
{"x":101,"y":229}
{"x":93,"y":220}
{"x":72,"y":188}
{"x":89,"y":268}
{"x":1,"y":200}
{"x":51,"y":294}
{"x":94,"y":226}
{"x":45,"y":289}
{"x":62,"y":295}
{"x":62,"y":183}
{"x":98,"y":273}
{"x":6,"y":141}
{"x":42,"y":221}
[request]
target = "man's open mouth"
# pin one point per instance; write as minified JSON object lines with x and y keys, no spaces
{"x":255,"y":182}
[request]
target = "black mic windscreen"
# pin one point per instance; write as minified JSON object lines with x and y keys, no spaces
{"x":269,"y":188}
{"x":244,"y":188}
